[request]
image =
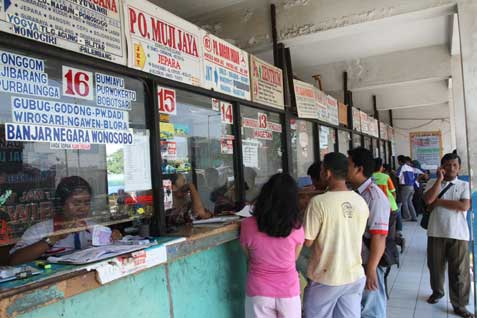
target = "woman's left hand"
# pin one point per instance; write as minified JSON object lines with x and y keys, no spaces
{"x":116,"y":235}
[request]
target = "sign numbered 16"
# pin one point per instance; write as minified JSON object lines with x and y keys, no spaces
{"x":77,"y":83}
{"x":167,"y":100}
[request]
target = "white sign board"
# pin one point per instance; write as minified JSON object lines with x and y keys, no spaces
{"x":322,"y":105}
{"x":383,"y":130}
{"x":161,"y":43}
{"x":305,"y":100}
{"x":364,"y":122}
{"x":356,"y":119}
{"x":137,"y":164}
{"x":90,"y":27}
{"x":332,"y":110}
{"x":267,"y":83}
{"x":224,"y":67}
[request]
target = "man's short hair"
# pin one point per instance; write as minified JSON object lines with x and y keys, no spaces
{"x":362,"y":157}
{"x":401,"y":158}
{"x":450,"y":156}
{"x":314,"y":171}
{"x":337,"y":163}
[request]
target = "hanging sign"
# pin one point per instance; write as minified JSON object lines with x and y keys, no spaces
{"x":332,"y":111}
{"x":322,"y":105}
{"x":166,"y":98}
{"x":226,"y":113}
{"x":249,"y":122}
{"x":267,"y":83}
{"x":262,"y":121}
{"x":89,"y":27}
{"x":161,"y":43}
{"x":364,"y":122}
{"x":227,"y":145}
{"x":343,"y":114}
{"x":374,"y":122}
{"x":263,"y":134}
{"x":356,"y":120}
{"x":383,"y":128}
{"x":224,"y":67}
{"x":426,"y":147}
{"x":305,"y":100}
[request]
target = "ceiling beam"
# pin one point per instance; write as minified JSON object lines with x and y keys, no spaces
{"x":401,"y":83}
{"x":444,"y":102}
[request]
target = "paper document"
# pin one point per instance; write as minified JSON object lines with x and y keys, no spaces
{"x":94,"y":254}
{"x":221,"y":219}
{"x":245,"y":212}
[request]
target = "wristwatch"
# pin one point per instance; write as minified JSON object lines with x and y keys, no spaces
{"x":48,"y":241}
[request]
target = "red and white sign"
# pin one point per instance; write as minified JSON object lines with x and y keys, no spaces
{"x":227,"y":145}
{"x":263,"y":134}
{"x":161,"y":43}
{"x":78,"y":83}
{"x":215,"y":104}
{"x":262,"y":121}
{"x":356,"y":120}
{"x":322,"y":105}
{"x":225,"y":67}
{"x":226,"y":113}
{"x":305,"y":100}
{"x":333,"y":117}
{"x":167,"y":100}
{"x":275,"y":127}
{"x":249,"y":122}
{"x":383,"y":128}
{"x":267,"y":83}
{"x":364,"y":122}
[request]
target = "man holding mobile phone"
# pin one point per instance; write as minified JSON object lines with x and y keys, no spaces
{"x":448,"y":234}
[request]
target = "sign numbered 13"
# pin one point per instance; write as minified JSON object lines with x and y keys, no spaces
{"x":77,"y":83}
{"x":227,"y":113}
{"x":167,"y":100}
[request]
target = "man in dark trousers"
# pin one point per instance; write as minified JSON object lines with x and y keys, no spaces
{"x":448,"y":234}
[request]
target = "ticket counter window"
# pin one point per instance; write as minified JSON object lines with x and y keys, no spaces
{"x":356,"y":140}
{"x":71,"y":136}
{"x":302,"y":145}
{"x":327,"y":140}
{"x":197,"y":149}
{"x":367,"y":142}
{"x":261,"y":148}
{"x":343,"y":141}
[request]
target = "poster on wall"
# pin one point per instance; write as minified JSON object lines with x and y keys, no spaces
{"x":161,"y":43}
{"x":332,"y":110}
{"x":364,"y":122}
{"x":267,"y":83}
{"x":343,"y":114}
{"x":321,"y":103}
{"x":93,"y":28}
{"x":356,"y":119}
{"x":426,"y":147}
{"x":305,"y":100}
{"x":224,"y":67}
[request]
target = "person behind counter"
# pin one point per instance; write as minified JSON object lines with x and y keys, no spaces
{"x":73,"y":196}
{"x":186,"y":203}
{"x":272,"y":240}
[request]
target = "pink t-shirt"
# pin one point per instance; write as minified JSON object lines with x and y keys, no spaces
{"x":272,"y":269}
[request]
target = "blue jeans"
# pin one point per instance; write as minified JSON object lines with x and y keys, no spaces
{"x":399,"y":218}
{"x":373,"y":304}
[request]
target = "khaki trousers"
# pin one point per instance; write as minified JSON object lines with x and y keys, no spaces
{"x":456,"y":254}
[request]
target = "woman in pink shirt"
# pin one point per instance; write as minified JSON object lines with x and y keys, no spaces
{"x":272,"y":240}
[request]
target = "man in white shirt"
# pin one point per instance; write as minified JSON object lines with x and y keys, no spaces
{"x":448,"y":234}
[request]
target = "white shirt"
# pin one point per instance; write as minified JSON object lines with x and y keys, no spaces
{"x":448,"y":223}
{"x":44,"y":229}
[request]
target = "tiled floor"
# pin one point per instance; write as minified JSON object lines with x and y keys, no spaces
{"x":409,"y":285}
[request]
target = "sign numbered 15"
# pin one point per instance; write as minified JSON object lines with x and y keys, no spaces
{"x":77,"y":83}
{"x":167,"y":100}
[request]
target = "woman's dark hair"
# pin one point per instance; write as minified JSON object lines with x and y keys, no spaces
{"x":276,"y":208}
{"x":362,"y":157}
{"x":68,"y":186}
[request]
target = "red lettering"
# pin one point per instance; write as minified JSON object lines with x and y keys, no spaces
{"x":107,"y":4}
{"x":132,"y":20}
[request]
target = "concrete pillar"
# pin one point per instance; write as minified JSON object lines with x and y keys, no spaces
{"x":457,"y":107}
{"x":467,"y":11}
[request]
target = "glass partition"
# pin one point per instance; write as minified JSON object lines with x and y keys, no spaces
{"x":327,"y":140}
{"x":356,"y":140}
{"x":261,"y":148}
{"x":344,"y":139}
{"x":302,"y":147}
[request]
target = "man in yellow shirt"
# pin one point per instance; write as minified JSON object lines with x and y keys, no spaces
{"x":334,"y":226}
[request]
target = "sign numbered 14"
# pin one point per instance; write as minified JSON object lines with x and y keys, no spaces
{"x":167,"y":100}
{"x":226,"y":113}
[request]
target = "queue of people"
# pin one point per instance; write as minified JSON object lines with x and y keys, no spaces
{"x":349,"y":230}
